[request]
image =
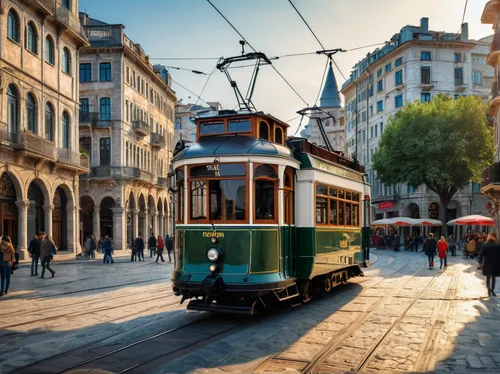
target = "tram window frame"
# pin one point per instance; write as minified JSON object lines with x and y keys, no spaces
{"x":275,"y":180}
{"x":261,"y":122}
{"x":214,"y":123}
{"x":337,"y":196}
{"x":281,"y":140}
{"x":288,"y":190}
{"x":239,"y":120}
{"x":180,"y":195}
{"x":207,"y":179}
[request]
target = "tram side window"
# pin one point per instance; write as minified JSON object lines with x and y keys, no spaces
{"x":227,"y":199}
{"x":278,"y":135}
{"x":336,"y":207}
{"x":239,"y":126}
{"x":180,"y":202}
{"x":264,"y":200}
{"x":264,"y":130}
{"x":212,"y":128}
{"x":198,"y":200}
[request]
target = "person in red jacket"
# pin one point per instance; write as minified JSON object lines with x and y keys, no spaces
{"x":442,"y":247}
{"x":160,"y":247}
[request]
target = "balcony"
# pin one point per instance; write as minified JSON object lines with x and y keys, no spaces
{"x":140,"y":127}
{"x":494,"y":54}
{"x":72,"y":159}
{"x":491,"y":179}
{"x":100,"y":36}
{"x":39,"y":6}
{"x":158,"y":140}
{"x":459,"y":85}
{"x":102,"y":124}
{"x":66,"y":21}
{"x":118,"y":172}
{"x":162,"y":182}
{"x":88,"y":118}
{"x":33,"y":145}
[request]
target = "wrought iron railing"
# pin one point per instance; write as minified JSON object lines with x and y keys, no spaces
{"x":141,"y":126}
{"x":158,"y":140}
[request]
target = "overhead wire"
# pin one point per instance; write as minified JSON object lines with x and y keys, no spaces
{"x":188,"y":90}
{"x":246,"y":41}
{"x":463,"y":16}
{"x":205,"y":85}
{"x":322,"y":80}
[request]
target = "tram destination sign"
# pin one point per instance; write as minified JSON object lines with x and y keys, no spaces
{"x":218,"y":170}
{"x":334,"y":169}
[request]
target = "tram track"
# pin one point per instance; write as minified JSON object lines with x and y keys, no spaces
{"x":83,"y":313}
{"x":280,"y":362}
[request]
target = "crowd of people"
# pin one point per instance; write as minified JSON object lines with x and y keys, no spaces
{"x":156,"y":246}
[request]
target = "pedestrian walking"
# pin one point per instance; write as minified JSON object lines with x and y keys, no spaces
{"x":99,"y":245}
{"x":139,"y":247}
{"x":90,"y":246}
{"x":452,"y":245}
{"x":47,"y":251}
{"x":430,"y":246}
{"x":107,"y":247}
{"x":7,"y":259}
{"x":34,"y":251}
{"x":489,"y":257}
{"x":152,"y":245}
{"x":160,"y":245}
{"x":442,"y":247}
{"x":169,"y":244}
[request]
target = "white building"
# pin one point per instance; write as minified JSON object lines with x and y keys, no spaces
{"x":127,"y":129}
{"x":39,"y":153}
{"x":415,"y":65}
{"x":331,"y":114}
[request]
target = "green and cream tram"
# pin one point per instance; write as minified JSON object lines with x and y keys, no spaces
{"x":262,"y":218}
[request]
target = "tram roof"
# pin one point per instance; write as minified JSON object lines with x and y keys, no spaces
{"x":226,"y":145}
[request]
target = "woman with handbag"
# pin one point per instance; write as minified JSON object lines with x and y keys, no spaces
{"x":7,"y":259}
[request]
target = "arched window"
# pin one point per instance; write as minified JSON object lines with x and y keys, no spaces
{"x":278,"y":135}
{"x":66,"y":61}
{"x":49,"y":122}
{"x":32,"y":38}
{"x":266,"y":183}
{"x":263,"y":130}
{"x":13,"y":26}
{"x":49,"y":50}
{"x":32,"y":113}
{"x":12,"y":112}
{"x":65,"y":130}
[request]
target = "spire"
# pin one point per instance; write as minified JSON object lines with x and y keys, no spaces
{"x":330,"y":97}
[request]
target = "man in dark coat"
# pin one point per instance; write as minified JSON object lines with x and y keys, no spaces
{"x":430,"y":246}
{"x":107,"y":247}
{"x":169,"y":244}
{"x":490,"y":254}
{"x":34,"y":251}
{"x":152,"y":245}
{"x":139,"y":246}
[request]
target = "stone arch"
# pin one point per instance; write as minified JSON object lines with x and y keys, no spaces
{"x":433,"y":210}
{"x":412,"y":210}
{"x":40,"y":207}
{"x":9,"y":209}
{"x":16,"y":179}
{"x":63,"y":225}
{"x":87,"y":206}
{"x":131,"y":205}
{"x":142,"y":212}
{"x":106,"y":206}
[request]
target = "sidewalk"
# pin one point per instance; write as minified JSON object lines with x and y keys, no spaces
{"x":62,"y":256}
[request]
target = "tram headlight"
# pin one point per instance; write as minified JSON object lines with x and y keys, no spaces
{"x":213,"y":240}
{"x":213,"y":254}
{"x":212,"y":268}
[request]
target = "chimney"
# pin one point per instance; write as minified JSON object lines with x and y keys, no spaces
{"x":83,"y":18}
{"x":465,"y":32}
{"x":424,"y":24}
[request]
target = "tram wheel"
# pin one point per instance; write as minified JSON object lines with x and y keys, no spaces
{"x":305,"y":290}
{"x":327,"y":285}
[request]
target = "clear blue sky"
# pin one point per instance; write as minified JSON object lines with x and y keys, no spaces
{"x":192,"y":28}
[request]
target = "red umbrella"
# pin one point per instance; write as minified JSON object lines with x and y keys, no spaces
{"x":473,"y":220}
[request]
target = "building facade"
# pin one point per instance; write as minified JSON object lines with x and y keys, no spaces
{"x":40,"y":160}
{"x":331,"y":114}
{"x":490,"y":185}
{"x":415,"y":65}
{"x":185,"y":127}
{"x":127,"y":131}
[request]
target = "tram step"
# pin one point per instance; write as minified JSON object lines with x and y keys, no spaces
{"x":220,"y":308}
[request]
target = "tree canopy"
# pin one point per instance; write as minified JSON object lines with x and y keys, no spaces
{"x":443,"y":144}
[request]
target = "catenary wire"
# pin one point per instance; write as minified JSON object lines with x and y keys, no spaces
{"x":317,"y":39}
{"x":463,"y":15}
{"x":246,"y":41}
{"x":322,"y":80}
{"x":205,"y":85}
{"x":188,"y":90}
{"x":298,"y":127}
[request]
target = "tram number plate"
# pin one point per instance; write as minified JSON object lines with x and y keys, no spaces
{"x":210,"y":234}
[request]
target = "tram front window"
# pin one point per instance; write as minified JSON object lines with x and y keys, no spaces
{"x":227,"y":200}
{"x":264,"y":200}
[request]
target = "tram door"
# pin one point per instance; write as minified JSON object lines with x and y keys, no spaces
{"x":287,"y":245}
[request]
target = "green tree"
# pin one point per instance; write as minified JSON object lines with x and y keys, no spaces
{"x":443,"y":144}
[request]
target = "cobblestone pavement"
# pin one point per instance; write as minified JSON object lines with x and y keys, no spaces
{"x":400,"y":317}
